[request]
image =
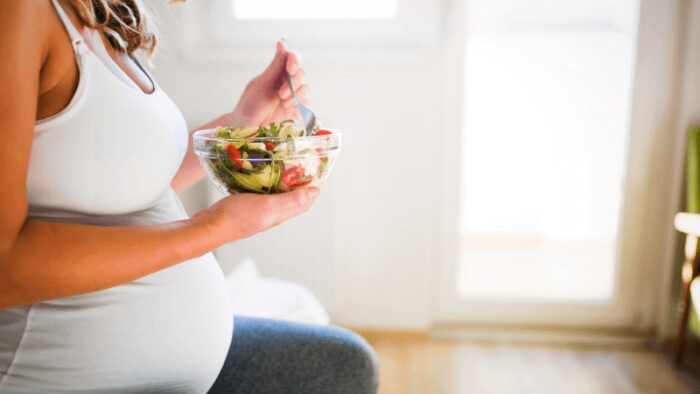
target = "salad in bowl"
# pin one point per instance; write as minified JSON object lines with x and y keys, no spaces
{"x":276,"y":158}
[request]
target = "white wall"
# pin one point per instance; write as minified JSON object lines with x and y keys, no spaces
{"x":366,"y":247}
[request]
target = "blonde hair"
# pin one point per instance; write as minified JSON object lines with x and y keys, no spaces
{"x":123,"y":22}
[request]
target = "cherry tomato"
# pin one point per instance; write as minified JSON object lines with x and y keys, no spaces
{"x":269,"y":145}
{"x":291,"y":175}
{"x":234,"y":155}
{"x":233,"y":152}
{"x":303,"y":181}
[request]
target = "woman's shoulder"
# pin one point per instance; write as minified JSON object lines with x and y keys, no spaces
{"x":34,"y":42}
{"x":26,"y":5}
{"x":27,"y":13}
{"x":26,"y":22}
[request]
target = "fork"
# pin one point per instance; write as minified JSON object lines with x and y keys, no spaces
{"x":309,"y":117}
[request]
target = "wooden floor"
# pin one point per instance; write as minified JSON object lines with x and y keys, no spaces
{"x":415,"y":364}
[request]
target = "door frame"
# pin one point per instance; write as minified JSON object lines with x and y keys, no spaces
{"x":647,"y":240}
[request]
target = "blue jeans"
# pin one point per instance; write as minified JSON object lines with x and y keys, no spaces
{"x":273,"y":356}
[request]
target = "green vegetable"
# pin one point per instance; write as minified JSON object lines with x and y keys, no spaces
{"x":261,"y":182}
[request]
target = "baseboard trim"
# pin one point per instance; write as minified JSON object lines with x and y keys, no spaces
{"x":546,"y":335}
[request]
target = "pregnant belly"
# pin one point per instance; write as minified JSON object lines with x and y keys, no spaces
{"x":167,"y":332}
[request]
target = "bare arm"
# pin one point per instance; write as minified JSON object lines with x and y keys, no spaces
{"x":41,"y":260}
{"x":191,"y":171}
{"x":49,"y":260}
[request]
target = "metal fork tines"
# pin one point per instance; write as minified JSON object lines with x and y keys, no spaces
{"x":310,"y":122}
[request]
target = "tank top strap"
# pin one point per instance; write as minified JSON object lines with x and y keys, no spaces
{"x":76,"y":38}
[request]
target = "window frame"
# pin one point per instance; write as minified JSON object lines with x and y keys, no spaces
{"x":214,"y":26}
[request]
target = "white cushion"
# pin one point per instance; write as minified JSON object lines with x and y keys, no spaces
{"x":253,"y":295}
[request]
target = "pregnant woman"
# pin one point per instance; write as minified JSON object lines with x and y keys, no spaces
{"x":106,"y":285}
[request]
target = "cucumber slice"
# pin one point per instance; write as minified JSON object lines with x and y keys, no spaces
{"x":247,"y":182}
{"x":262,"y":181}
{"x":256,"y":146}
{"x":287,"y":130}
{"x":246,"y":132}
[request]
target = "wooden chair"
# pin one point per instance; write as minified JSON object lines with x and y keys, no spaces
{"x":689,"y":224}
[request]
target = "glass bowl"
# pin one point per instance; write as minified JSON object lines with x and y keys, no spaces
{"x":266,"y":165}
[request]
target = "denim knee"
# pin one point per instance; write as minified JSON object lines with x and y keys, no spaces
{"x":360,"y":358}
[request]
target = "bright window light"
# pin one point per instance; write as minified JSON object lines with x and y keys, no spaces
{"x":547,"y":100}
{"x":315,"y":9}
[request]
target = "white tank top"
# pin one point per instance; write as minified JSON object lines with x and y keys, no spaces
{"x":108,"y":159}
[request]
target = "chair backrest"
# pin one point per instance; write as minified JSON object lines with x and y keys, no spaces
{"x":693,"y":171}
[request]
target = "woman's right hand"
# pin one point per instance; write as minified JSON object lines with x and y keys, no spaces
{"x":242,"y":215}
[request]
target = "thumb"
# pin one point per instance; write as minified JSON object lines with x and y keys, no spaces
{"x":277,"y":65}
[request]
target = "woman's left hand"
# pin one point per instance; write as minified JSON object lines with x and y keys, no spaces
{"x":267,"y":97}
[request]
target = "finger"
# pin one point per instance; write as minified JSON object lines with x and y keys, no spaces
{"x":292,"y":113}
{"x":297,"y":80}
{"x":293,"y":62}
{"x":278,"y":63}
{"x":302,"y":94}
{"x":281,"y":46}
{"x":294,"y":203}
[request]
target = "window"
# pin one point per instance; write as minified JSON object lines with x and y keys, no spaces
{"x":315,"y":9}
{"x":360,"y":23}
